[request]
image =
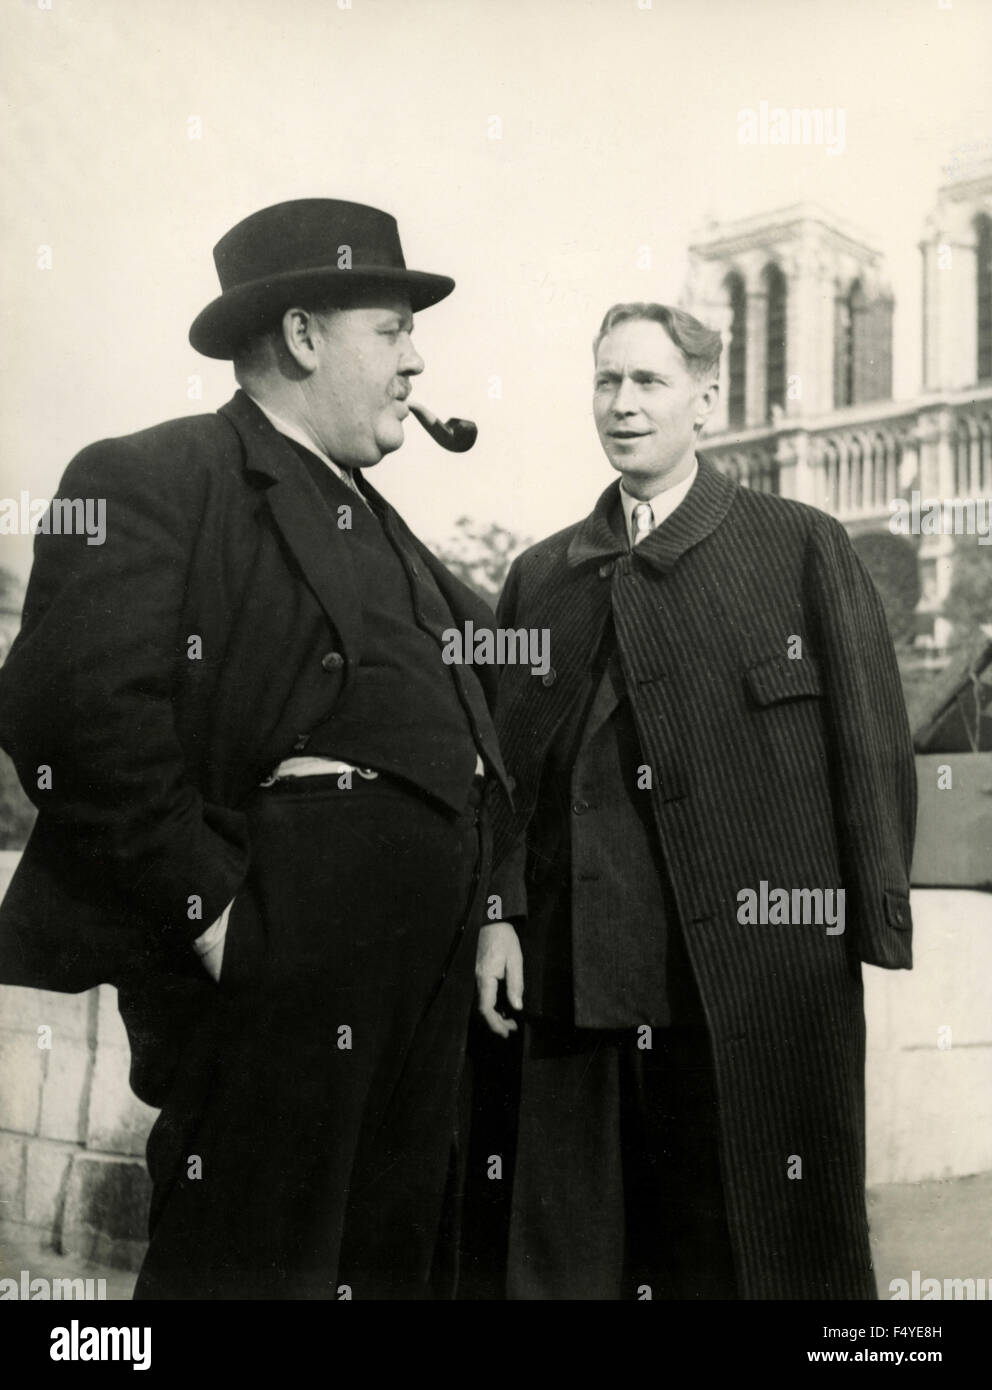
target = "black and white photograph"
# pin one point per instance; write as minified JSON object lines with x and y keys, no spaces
{"x":496,"y":667}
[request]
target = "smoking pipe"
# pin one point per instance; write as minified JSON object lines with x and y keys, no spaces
{"x":454,"y":434}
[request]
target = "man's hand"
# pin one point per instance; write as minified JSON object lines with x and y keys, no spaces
{"x":211,"y":960}
{"x":210,"y":945}
{"x":499,"y":958}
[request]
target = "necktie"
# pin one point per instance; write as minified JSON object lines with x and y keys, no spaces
{"x":347,"y":477}
{"x":643,"y":521}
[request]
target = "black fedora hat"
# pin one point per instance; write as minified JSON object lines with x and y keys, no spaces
{"x":311,"y":250}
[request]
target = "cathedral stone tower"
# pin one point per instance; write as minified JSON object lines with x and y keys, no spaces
{"x":957,"y":283}
{"x":805,"y":311}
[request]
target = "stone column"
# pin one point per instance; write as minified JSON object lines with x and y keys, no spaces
{"x":950,"y":311}
{"x":933,"y":435}
{"x":720,"y":319}
{"x":795,"y":473}
{"x":756,"y":407}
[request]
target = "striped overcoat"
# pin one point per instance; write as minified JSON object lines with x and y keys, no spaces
{"x":768,"y":708}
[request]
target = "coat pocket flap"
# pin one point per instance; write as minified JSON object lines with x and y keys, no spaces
{"x":779,"y":678}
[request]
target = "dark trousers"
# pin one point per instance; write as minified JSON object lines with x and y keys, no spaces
{"x":617,"y":1189}
{"x":306,"y":1139}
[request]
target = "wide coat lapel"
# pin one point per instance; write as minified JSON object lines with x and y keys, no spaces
{"x":700,"y":513}
{"x":464,"y":604}
{"x":300,"y":514}
{"x":572,"y":602}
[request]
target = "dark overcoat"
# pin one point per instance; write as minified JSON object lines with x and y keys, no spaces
{"x":159,"y":677}
{"x":765,"y":766}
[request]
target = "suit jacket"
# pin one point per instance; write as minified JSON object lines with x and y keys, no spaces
{"x":765,"y":766}
{"x":160,"y":676}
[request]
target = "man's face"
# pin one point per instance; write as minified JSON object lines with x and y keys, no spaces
{"x":366,"y":360}
{"x":646,"y":403}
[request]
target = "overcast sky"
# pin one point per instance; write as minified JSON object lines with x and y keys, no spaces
{"x":618,"y":130}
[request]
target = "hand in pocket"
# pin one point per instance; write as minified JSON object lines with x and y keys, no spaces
{"x":211,"y":960}
{"x":210,"y":945}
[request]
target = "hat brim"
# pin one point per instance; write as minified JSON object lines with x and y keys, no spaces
{"x":236,"y":316}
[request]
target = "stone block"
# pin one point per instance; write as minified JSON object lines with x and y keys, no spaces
{"x":47,"y":1169}
{"x":12,"y":1164}
{"x":949,"y":983}
{"x":110,"y":1029}
{"x":106,"y":1210}
{"x":68,"y":1015}
{"x":929,"y":1114}
{"x":118,"y":1121}
{"x":65,"y":1092}
{"x":20,"y":1008}
{"x":954,"y":826}
{"x":22,"y":1068}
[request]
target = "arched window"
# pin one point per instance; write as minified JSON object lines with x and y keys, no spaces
{"x":983,"y":268}
{"x":830,"y":465}
{"x":737,"y":364}
{"x":775,"y":290}
{"x":848,"y":309}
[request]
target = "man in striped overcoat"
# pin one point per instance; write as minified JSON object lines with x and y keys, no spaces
{"x":714,"y":814}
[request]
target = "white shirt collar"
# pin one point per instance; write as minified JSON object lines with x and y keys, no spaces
{"x":294,"y":432}
{"x":663,"y":503}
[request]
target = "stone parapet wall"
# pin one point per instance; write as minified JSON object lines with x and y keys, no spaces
{"x":72,"y":1135}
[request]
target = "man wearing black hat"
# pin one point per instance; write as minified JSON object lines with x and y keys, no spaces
{"x":261,"y":818}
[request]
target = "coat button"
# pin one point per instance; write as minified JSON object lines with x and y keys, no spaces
{"x":511,"y":782}
{"x":301,"y":742}
{"x":580,"y":807}
{"x":332,"y":661}
{"x":607,"y":569}
{"x":549,"y":677}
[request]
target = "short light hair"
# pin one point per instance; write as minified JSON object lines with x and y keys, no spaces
{"x":700,"y":346}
